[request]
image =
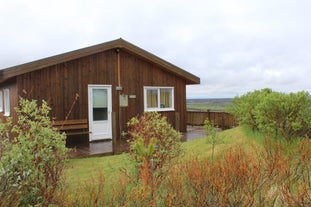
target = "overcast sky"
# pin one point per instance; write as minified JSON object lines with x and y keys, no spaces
{"x":234,"y":46}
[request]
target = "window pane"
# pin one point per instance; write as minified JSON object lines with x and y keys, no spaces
{"x":6,"y":96}
{"x":166,"y":97}
{"x":100,"y":105}
{"x":100,"y":114}
{"x":1,"y":101}
{"x":99,"y":98}
{"x":152,"y":98}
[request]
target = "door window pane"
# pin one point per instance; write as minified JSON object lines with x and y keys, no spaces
{"x":99,"y":98}
{"x":100,"y":114}
{"x":100,"y":104}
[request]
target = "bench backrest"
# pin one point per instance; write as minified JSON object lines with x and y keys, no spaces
{"x":71,"y":124}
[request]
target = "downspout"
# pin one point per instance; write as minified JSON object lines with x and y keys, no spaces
{"x":118,"y":66}
{"x":119,"y":89}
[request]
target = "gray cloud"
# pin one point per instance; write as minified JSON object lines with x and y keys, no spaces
{"x":233,"y":46}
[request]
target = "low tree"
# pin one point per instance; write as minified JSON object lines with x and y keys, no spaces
{"x":244,"y":107}
{"x":211,"y":133}
{"x":286,"y":115}
{"x":33,"y":157}
{"x":153,"y":144}
{"x":274,"y":113}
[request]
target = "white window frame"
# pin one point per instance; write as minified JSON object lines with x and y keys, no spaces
{"x":146,"y":88}
{"x":1,"y":101}
{"x":6,"y":102}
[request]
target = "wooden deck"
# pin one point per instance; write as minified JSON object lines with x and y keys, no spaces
{"x":101,"y":148}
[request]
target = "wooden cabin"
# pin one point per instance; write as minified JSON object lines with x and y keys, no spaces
{"x":96,"y":90}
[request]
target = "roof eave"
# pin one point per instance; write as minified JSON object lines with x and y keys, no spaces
{"x":8,"y":73}
{"x":190,"y":78}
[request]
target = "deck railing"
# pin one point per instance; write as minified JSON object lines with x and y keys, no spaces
{"x":223,"y":120}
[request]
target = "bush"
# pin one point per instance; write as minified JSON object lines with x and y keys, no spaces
{"x":154,"y":144}
{"x":211,"y":132}
{"x":286,"y":115}
{"x":244,"y":107}
{"x":33,"y":157}
{"x":279,"y":177}
{"x":274,"y":113}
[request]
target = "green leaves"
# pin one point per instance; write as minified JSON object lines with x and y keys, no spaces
{"x":244,"y":107}
{"x":143,"y":150}
{"x":212,"y":137}
{"x":151,"y":136}
{"x":33,"y":157}
{"x":152,"y":128}
{"x":275,"y":113}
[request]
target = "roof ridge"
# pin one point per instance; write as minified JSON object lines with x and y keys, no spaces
{"x":13,"y":71}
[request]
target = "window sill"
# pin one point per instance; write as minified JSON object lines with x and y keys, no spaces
{"x":159,"y":109}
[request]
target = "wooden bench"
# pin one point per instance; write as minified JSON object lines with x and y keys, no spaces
{"x":72,"y":127}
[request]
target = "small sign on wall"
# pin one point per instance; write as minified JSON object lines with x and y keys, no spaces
{"x":124,"y":100}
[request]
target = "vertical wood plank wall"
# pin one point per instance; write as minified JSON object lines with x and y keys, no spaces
{"x":60,"y":84}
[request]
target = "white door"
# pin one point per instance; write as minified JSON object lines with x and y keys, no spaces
{"x":100,"y":112}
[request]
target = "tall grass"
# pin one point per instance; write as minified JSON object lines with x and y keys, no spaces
{"x":244,"y":174}
{"x":254,"y":135}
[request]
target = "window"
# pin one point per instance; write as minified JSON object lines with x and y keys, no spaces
{"x":6,"y":100}
{"x":159,"y":98}
{"x":1,"y":101}
{"x":100,"y":104}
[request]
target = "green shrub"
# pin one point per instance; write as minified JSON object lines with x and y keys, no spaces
{"x":274,"y":113}
{"x":154,"y":144}
{"x":244,"y":107}
{"x":33,"y":157}
{"x":286,"y":115}
{"x":212,"y":137}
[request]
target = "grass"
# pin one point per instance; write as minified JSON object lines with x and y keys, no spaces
{"x":84,"y":173}
{"x":81,"y":170}
{"x":208,"y":105}
{"x":247,"y":169}
{"x":255,"y":135}
{"x":201,"y":148}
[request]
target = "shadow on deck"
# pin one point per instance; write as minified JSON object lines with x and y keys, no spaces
{"x":80,"y":147}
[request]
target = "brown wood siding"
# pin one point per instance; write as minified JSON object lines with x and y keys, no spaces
{"x":59,"y":84}
{"x":15,"y":71}
{"x":137,"y":73}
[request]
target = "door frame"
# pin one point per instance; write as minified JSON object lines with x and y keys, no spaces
{"x":109,"y":110}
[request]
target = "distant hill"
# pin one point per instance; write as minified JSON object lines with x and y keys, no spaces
{"x":205,"y":100}
{"x":213,"y":104}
